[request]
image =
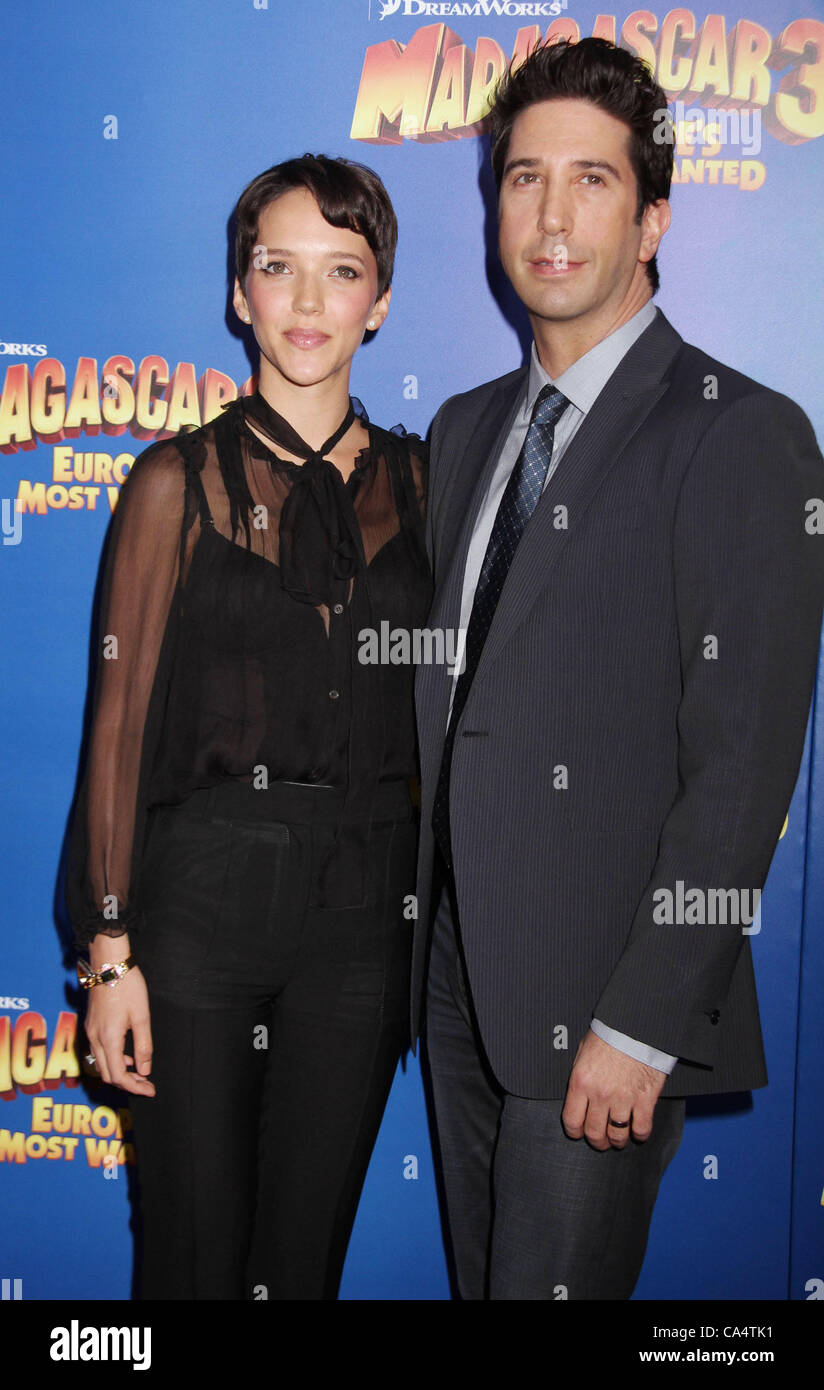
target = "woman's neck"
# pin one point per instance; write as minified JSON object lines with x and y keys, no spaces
{"x":313,"y":412}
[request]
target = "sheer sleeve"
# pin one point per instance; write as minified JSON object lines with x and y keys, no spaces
{"x":135,"y":639}
{"x":419,"y":463}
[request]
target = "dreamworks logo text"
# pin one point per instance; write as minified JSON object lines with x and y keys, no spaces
{"x":467,"y":9}
{"x":23,"y":349}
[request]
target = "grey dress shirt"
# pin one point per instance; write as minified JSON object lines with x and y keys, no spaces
{"x":581,"y":383}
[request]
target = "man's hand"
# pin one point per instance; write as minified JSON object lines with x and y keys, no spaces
{"x":607,"y":1085}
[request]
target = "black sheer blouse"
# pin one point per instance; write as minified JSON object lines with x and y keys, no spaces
{"x":235,"y":592}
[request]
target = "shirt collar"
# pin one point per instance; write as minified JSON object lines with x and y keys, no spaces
{"x":583,"y":382}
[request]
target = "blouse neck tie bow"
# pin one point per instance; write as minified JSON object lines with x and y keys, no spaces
{"x":319,"y":538}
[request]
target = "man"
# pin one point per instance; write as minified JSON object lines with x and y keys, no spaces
{"x":620,"y":527}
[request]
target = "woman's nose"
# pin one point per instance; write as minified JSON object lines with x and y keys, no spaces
{"x":308,"y":296}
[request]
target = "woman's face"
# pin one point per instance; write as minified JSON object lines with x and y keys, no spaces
{"x":310,"y":292}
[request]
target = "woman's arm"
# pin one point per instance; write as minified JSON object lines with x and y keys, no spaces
{"x":139,"y":584}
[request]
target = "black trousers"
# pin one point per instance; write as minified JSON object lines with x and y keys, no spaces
{"x":277,"y":1027}
{"x":532,"y":1215}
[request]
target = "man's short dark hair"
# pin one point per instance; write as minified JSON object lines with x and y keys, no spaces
{"x":348,"y":195}
{"x":611,"y":78}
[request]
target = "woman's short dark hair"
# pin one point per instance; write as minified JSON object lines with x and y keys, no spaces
{"x":611,"y":78}
{"x":348,"y":195}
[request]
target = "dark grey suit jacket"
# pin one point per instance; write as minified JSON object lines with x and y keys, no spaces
{"x":608,"y":748}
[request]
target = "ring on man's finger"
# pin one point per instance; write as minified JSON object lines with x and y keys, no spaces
{"x":619,"y":1124}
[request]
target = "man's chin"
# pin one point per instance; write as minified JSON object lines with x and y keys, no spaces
{"x":559,"y":308}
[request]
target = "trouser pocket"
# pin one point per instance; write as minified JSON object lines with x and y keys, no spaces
{"x":257,"y":889}
{"x":182,"y":883}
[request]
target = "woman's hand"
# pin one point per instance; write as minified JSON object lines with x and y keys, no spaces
{"x":112,"y":1011}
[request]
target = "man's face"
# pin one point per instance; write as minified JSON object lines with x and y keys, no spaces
{"x":568,"y":237}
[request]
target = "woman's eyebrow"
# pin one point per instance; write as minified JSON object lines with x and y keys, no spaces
{"x":331,"y":253}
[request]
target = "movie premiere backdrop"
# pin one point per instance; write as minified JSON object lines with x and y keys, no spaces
{"x":129,"y":131}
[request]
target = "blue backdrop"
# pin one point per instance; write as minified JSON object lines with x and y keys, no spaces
{"x":128,"y":133}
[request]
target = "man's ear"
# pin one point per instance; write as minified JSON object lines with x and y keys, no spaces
{"x":240,"y":303}
{"x":654,"y":222}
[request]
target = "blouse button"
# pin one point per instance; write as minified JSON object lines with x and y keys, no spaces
{"x":338,"y":608}
{"x":333,"y":694}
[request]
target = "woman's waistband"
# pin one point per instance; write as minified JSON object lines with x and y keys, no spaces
{"x":301,"y":802}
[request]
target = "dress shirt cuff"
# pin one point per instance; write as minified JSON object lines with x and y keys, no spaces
{"x":662,"y":1061}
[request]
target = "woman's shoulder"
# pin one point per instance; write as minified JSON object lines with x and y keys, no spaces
{"x":152,"y":497}
{"x":398,"y":439}
{"x":163,"y":473}
{"x":173,"y":455}
{"x":159,"y":464}
{"x":407,"y":452}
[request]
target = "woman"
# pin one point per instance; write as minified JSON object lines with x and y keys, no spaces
{"x":244,"y":833}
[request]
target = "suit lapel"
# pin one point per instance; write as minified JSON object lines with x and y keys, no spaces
{"x":620,"y":410}
{"x":463,"y":495}
{"x":470,"y":478}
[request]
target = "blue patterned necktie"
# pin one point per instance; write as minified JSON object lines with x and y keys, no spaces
{"x":520,"y":498}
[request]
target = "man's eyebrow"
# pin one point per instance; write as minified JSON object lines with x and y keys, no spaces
{"x":597,"y":164}
{"x":525,"y":163}
{"x":519,"y":164}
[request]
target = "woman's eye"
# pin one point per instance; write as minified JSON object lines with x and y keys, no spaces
{"x":275,"y":267}
{"x":346,"y":272}
{"x":596,"y":178}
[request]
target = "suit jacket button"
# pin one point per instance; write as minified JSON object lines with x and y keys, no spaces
{"x":714,"y":1016}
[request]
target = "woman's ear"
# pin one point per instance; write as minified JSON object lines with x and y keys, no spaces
{"x":379,"y":311}
{"x":241,"y":306}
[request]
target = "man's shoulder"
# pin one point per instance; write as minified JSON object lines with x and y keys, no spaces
{"x":709,"y":406}
{"x":470,"y":403}
{"x":696,"y":377}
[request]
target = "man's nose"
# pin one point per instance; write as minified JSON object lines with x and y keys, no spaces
{"x":554,"y":213}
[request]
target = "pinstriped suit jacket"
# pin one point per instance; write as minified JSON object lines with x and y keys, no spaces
{"x":609,"y":748}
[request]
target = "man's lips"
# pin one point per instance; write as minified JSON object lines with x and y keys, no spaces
{"x":553,"y":265}
{"x":306,"y":338}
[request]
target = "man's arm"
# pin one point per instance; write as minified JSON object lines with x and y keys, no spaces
{"x":748,"y":583}
{"x":662,"y":1061}
{"x":435,"y":483}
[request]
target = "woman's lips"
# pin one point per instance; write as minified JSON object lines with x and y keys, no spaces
{"x":305,"y":338}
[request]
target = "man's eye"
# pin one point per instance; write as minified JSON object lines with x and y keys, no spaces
{"x":596,"y":178}
{"x":526,"y":178}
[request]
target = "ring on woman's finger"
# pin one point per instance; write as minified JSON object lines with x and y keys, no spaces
{"x":91,"y":1059}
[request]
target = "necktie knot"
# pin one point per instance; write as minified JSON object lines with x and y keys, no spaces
{"x":550,"y":405}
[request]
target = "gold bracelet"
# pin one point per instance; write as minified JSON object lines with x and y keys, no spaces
{"x":108,"y":974}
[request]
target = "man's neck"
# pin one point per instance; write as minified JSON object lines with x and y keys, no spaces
{"x":560,"y":343}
